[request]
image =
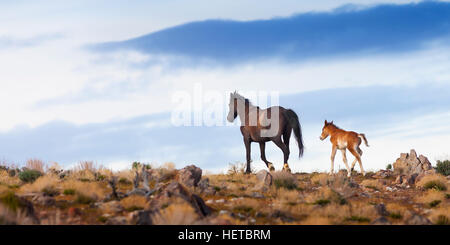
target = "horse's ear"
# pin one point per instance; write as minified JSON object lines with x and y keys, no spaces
{"x":331,"y":122}
{"x":326,"y":122}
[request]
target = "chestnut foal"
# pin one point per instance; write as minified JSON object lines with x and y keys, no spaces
{"x":342,"y":140}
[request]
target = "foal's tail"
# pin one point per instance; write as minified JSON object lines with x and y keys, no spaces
{"x":292,"y":118}
{"x":363,"y":136}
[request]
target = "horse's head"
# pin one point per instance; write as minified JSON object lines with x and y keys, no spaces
{"x":326,"y":130}
{"x":232,"y":112}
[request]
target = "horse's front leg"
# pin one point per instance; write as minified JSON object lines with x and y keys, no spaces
{"x":248,"y":153}
{"x":333,"y":154}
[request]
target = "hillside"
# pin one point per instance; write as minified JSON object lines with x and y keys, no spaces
{"x":164,"y":195}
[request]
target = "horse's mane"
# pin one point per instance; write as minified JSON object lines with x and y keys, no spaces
{"x":334,"y":125}
{"x":235,"y":95}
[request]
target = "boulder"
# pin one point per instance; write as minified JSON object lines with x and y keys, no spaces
{"x":418,"y":220}
{"x":382,"y":174}
{"x":190,"y":175}
{"x":43,"y":200}
{"x":140,"y":217}
{"x":120,"y":220}
{"x":176,"y":190}
{"x":409,"y":164}
{"x":381,"y":221}
{"x":264,"y":177}
{"x":111,"y":207}
{"x":381,"y":209}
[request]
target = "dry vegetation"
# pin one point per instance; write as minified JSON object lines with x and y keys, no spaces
{"x":83,"y":195}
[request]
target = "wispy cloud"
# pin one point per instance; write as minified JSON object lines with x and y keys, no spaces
{"x":14,"y":42}
{"x":348,"y":31}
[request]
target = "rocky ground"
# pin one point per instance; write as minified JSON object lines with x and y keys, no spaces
{"x":411,"y":193}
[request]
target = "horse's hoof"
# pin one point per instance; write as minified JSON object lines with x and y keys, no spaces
{"x":271,"y":168}
{"x":247,"y":172}
{"x":286,"y":168}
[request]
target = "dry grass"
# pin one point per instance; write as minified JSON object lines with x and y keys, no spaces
{"x":36,"y":164}
{"x":47,"y":184}
{"x":176,"y":214}
{"x":440,"y":216}
{"x":431,"y":196}
{"x":134,"y":202}
{"x":5,"y":179}
{"x":433,"y":181}
{"x":324,"y":196}
{"x":282,"y":179}
{"x":92,"y":190}
{"x":372,"y":184}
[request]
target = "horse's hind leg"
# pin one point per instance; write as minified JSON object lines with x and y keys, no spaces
{"x":344,"y":158}
{"x":360,"y":152}
{"x":286,"y":138}
{"x":285,"y":150}
{"x":358,"y":158}
{"x":262,"y":147}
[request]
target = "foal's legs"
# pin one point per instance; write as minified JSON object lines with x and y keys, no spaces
{"x":344,"y":158}
{"x":262,"y":147}
{"x":333,"y":154}
{"x":247,"y":148}
{"x":285,"y":150}
{"x":360,"y":154}
{"x":358,"y":158}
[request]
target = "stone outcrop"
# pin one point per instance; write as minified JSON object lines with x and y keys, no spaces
{"x":264,"y":177}
{"x":409,"y":164}
{"x":190,"y":175}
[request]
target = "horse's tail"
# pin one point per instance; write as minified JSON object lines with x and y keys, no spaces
{"x":292,"y":118}
{"x":363,"y":136}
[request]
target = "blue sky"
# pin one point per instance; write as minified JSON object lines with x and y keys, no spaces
{"x":87,"y":80}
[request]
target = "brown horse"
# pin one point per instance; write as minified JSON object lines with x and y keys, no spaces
{"x":263,"y":125}
{"x":342,"y":140}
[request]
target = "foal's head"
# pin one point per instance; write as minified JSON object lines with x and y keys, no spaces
{"x":326,"y":130}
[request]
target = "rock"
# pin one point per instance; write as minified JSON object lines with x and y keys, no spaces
{"x":190,"y":175}
{"x":381,"y":209}
{"x":264,"y":177}
{"x":381,"y":221}
{"x":389,"y":188}
{"x":43,"y":200}
{"x":175,"y":189}
{"x":382,"y":174}
{"x":418,"y":220}
{"x":424,"y":173}
{"x":257,"y":195}
{"x":120,"y":220}
{"x":111,"y":207}
{"x":140,"y":217}
{"x":409,"y":164}
{"x":73,"y":212}
{"x":205,"y":188}
{"x":203,"y":184}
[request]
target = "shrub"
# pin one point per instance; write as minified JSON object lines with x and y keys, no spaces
{"x":389,"y":167}
{"x":35,"y":164}
{"x":10,"y":200}
{"x":442,"y":220}
{"x":284,"y":180}
{"x":322,"y":202}
{"x":433,"y":181}
{"x":437,"y":185}
{"x":396,"y":215}
{"x":443,"y":167}
{"x":124,"y":181}
{"x":243,"y":209}
{"x":29,"y":175}
{"x":359,"y":219}
{"x":83,"y":199}
{"x":69,"y":192}
{"x":434,"y":203}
